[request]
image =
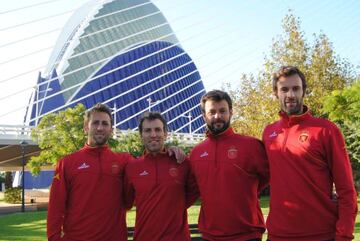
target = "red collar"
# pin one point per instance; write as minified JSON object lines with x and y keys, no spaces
{"x":95,"y":149}
{"x":294,"y":119}
{"x":148,"y":154}
{"x":228,"y":132}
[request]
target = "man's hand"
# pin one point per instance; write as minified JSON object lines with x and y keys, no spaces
{"x":178,"y":152}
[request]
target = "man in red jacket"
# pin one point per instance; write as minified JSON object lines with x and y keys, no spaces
{"x":85,"y":197}
{"x":162,"y":189}
{"x":230,"y":171}
{"x":308,"y":162}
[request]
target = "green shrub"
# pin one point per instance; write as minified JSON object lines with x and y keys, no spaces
{"x":13,"y":195}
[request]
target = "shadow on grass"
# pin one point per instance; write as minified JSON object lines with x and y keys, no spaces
{"x":23,"y":226}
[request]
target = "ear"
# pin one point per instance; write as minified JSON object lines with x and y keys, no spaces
{"x":203,"y":114}
{"x":304,"y":93}
{"x":86,"y":128}
{"x":275,"y":95}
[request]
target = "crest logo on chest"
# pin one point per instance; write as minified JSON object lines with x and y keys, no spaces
{"x":173,"y":172}
{"x":304,"y":136}
{"x":232,"y":153}
{"x":115,"y":168}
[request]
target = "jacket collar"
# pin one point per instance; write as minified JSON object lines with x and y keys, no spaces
{"x":228,"y":132}
{"x":147,"y":154}
{"x":95,"y":150}
{"x":294,"y":119}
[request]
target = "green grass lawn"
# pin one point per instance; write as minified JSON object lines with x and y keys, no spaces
{"x":31,"y":226}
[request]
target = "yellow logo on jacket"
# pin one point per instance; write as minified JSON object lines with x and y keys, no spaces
{"x":57,"y":176}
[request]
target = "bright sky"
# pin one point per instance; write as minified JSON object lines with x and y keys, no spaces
{"x":224,"y":38}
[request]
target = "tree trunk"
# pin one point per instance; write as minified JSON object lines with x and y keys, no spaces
{"x":8,"y":180}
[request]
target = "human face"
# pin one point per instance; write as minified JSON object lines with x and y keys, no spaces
{"x":98,"y":129}
{"x":153,"y":135}
{"x":290,"y":94}
{"x":217,"y":116}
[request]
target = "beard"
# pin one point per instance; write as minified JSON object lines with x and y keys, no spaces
{"x":217,"y":130}
{"x":293,"y":110}
{"x":99,"y":140}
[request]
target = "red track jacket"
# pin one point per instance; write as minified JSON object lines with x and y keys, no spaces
{"x":86,"y":196}
{"x":230,"y":170}
{"x":162,"y":190}
{"x":307,"y":156}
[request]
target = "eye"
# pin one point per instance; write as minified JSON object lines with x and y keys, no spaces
{"x":158,"y":130}
{"x":284,"y":89}
{"x":211,"y":112}
{"x":296,"y":88}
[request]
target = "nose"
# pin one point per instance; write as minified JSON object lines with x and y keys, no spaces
{"x":100,"y":127}
{"x":290,"y":94}
{"x":153,"y":133}
{"x":217,"y":115}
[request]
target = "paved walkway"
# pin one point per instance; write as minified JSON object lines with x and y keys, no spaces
{"x":6,"y":208}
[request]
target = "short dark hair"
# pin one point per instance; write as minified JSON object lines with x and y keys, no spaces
{"x":99,"y":107}
{"x":286,"y":71}
{"x":215,"y":95}
{"x":150,"y":116}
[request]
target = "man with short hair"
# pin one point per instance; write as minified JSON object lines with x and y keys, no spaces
{"x":230,"y":171}
{"x":308,"y":159}
{"x":161,"y":188}
{"x":86,"y":193}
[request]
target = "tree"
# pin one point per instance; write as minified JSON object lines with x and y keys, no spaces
{"x":254,"y":102}
{"x":342,"y":107}
{"x":58,"y":134}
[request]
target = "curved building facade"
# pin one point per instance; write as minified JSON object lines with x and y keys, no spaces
{"x":125,"y":54}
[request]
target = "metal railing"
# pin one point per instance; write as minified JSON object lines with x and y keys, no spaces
{"x":13,"y":134}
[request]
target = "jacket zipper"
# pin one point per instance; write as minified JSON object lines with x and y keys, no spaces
{"x":216,"y":151}
{"x":286,"y":134}
{"x":99,"y":163}
{"x":156,"y":172}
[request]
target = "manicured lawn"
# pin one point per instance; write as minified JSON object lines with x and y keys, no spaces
{"x":31,"y":226}
{"x":23,"y":226}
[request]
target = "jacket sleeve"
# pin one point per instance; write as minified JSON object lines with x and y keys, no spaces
{"x":342,"y":175}
{"x":191,"y":188}
{"x":57,"y":203}
{"x":129,"y":191}
{"x":262,"y":166}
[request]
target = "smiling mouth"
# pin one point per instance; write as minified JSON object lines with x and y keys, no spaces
{"x":155,"y":141}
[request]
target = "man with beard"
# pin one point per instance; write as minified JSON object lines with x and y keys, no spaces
{"x":86,"y":195}
{"x":307,"y":158}
{"x":230,"y":171}
{"x":161,"y":188}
